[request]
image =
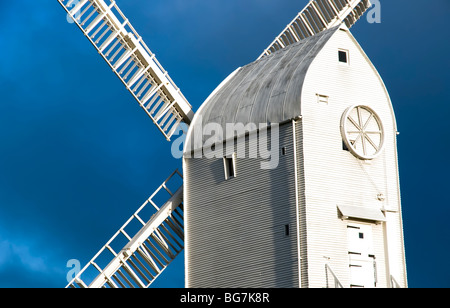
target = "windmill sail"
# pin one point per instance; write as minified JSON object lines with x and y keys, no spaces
{"x":316,"y":17}
{"x":139,"y":252}
{"x":123,"y":49}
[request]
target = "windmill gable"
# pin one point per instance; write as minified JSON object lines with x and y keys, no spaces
{"x":340,"y":182}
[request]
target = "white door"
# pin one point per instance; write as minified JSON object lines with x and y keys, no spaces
{"x":361,"y":257}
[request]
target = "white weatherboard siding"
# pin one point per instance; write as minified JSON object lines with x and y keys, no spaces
{"x":302,"y":230}
{"x":334,"y":176}
{"x":235,"y":229}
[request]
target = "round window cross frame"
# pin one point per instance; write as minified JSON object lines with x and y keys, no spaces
{"x":360,"y":141}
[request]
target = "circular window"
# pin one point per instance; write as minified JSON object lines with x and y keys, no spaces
{"x":362,"y":131}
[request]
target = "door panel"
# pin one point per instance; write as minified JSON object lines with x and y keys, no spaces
{"x":361,"y":257}
{"x":362,"y":272}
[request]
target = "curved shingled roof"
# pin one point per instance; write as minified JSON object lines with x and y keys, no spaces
{"x":267,"y":90}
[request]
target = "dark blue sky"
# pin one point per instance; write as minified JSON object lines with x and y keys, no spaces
{"x":78,"y":156}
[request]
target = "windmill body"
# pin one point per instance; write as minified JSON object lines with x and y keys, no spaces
{"x":290,"y":173}
{"x":288,"y":225}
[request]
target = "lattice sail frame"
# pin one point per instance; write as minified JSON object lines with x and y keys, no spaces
{"x":317,"y":16}
{"x":123,"y":49}
{"x":140,"y":251}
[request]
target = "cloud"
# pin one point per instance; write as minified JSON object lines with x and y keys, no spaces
{"x":5,"y":252}
{"x":20,"y":254}
{"x":25,"y":263}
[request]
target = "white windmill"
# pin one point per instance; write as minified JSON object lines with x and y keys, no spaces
{"x":326,"y":214}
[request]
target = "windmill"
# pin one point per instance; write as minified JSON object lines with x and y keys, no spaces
{"x":157,"y":232}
